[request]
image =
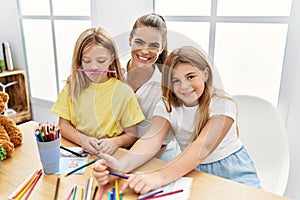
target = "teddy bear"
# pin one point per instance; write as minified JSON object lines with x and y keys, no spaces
{"x":10,"y":134}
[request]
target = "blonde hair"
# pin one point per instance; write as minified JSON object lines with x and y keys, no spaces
{"x":88,"y":39}
{"x":158,"y":22}
{"x":196,"y":58}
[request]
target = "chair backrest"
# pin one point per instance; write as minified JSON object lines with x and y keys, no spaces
{"x":263,"y":133}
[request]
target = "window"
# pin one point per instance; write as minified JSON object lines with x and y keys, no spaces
{"x":50,"y":29}
{"x":244,"y":39}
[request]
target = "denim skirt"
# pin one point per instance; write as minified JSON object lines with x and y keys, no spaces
{"x":237,"y":167}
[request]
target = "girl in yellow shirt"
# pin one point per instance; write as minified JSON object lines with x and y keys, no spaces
{"x":96,"y":109}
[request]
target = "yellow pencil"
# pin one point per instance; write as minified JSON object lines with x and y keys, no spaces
{"x":23,"y":185}
{"x":26,"y":188}
{"x":81,"y":193}
{"x":117,"y":189}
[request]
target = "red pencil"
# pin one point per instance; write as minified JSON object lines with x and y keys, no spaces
{"x":70,"y":193}
{"x":165,"y":194}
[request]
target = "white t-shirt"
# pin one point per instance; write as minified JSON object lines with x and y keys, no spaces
{"x":182,"y":122}
{"x":148,"y":95}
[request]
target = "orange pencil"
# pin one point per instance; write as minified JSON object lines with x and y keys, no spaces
{"x":32,"y":186}
{"x":26,"y":188}
{"x":23,"y":185}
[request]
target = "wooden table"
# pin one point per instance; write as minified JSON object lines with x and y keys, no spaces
{"x":25,"y":160}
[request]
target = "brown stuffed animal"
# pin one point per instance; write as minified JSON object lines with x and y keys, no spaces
{"x":10,"y":134}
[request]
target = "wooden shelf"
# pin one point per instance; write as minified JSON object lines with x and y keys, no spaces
{"x":18,"y":95}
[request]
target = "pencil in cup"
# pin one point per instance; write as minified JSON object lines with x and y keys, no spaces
{"x":47,"y":133}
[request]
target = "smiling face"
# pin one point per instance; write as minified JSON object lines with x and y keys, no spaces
{"x":146,"y":45}
{"x":188,"y":83}
{"x":96,"y":58}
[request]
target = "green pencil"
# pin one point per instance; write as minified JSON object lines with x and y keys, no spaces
{"x":82,"y":166}
{"x":74,"y":192}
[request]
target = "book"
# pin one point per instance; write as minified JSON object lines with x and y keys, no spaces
{"x":69,"y":161}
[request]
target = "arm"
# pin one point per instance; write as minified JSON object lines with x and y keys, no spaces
{"x":110,"y":145}
{"x":210,"y":137}
{"x":142,"y":151}
{"x":147,"y":146}
{"x":68,"y":131}
{"x":126,"y":139}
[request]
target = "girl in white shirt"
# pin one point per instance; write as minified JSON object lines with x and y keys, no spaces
{"x":204,"y":123}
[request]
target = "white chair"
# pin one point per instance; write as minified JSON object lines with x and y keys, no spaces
{"x":263,"y":133}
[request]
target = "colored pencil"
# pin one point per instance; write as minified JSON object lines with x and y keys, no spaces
{"x":109,"y":196}
{"x":150,"y":194}
{"x":81,"y":193}
{"x":94,"y":70}
{"x":89,"y":191}
{"x":95,"y":192}
{"x":103,"y":191}
{"x":86,"y":189}
{"x":70,"y":151}
{"x":113,"y":193}
{"x":165,"y":194}
{"x":82,"y":166}
{"x":117,"y":197}
{"x":70,"y":193}
{"x":56,"y":188}
{"x":23,"y":185}
{"x":74,"y":192}
{"x":32,"y":186}
{"x":118,"y":175}
{"x":26,"y":188}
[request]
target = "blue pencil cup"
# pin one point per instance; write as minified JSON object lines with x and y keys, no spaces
{"x":49,"y":155}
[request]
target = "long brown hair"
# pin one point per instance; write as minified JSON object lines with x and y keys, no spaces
{"x":191,"y":55}
{"x":155,"y":21}
{"x":90,"y":38}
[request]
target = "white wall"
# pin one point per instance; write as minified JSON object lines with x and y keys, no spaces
{"x":118,"y":16}
{"x":10,"y":31}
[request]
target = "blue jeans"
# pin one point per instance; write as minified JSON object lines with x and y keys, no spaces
{"x":237,"y":167}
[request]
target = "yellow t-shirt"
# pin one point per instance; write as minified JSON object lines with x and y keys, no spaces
{"x":102,"y":110}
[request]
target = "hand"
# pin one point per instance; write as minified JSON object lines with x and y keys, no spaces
{"x":143,"y":183}
{"x":100,"y":172}
{"x":105,"y":145}
{"x":88,"y":144}
{"x":101,"y":169}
